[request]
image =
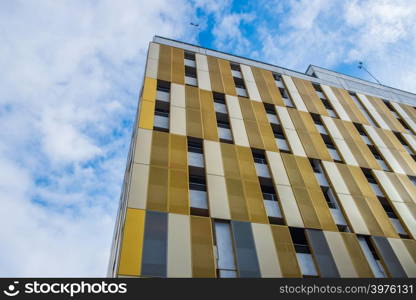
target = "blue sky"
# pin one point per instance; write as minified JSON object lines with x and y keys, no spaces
{"x":71,"y":74}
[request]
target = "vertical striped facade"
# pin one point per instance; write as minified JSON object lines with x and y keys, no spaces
{"x":237,"y":171}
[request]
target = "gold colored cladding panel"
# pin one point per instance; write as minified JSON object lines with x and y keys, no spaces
{"x":193,"y":112}
{"x":250,"y":122}
{"x":132,"y":243}
{"x":261,"y":85}
{"x":251,"y":187}
{"x":369,"y":206}
{"x":349,"y":106}
{"x":358,"y":147}
{"x":227,"y":78}
{"x":178,"y":175}
{"x":165,"y":63}
{"x":230,"y":161}
{"x":285,"y":251}
{"x":358,"y":258}
{"x":266,"y":85}
{"x":215,"y":75}
{"x":203,"y":261}
{"x":411,"y":248}
{"x":178,"y":67}
{"x":406,"y":162}
{"x":160,"y":149}
{"x":274,"y":91}
{"x":178,"y":192}
{"x":311,"y":139}
{"x":178,"y":152}
{"x":246,"y":163}
{"x":255,"y":205}
{"x":309,"y":96}
{"x":236,"y":199}
{"x":209,"y":119}
{"x":157,"y":198}
{"x":302,"y":196}
{"x":147,"y":111}
{"x":315,"y":194}
{"x":264,"y":126}
{"x":147,"y":103}
{"x":386,"y":114}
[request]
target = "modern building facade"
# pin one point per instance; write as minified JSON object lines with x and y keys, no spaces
{"x":238,"y":168}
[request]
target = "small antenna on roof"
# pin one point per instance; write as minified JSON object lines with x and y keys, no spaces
{"x":361,"y":66}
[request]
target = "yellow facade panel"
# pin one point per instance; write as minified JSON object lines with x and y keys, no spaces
{"x":237,"y":201}
{"x":358,"y":258}
{"x":147,"y":111}
{"x":227,"y":78}
{"x":285,"y":251}
{"x":132,"y":243}
{"x":160,"y":149}
{"x":203,"y":261}
{"x":194,"y":123}
{"x":178,"y":67}
{"x":215,"y":75}
{"x":165,"y":63}
{"x":178,"y":192}
{"x":178,"y":152}
{"x":254,"y":198}
{"x":246,"y":162}
{"x":209,"y":120}
{"x":157,"y":197}
{"x":230,"y":161}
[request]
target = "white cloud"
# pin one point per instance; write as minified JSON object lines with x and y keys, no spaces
{"x":71,"y":74}
{"x":329,"y":33}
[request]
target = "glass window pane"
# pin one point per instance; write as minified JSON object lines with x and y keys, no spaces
{"x":155,"y":244}
{"x":224,"y":242}
{"x":247,"y":262}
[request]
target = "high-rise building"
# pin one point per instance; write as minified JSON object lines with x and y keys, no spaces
{"x":239,"y":168}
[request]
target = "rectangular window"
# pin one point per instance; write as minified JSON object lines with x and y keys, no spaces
{"x":331,"y":148}
{"x":195,"y":153}
{"x":224,"y":250}
{"x":318,"y":123}
{"x":271,"y":113}
{"x":245,"y":249}
{"x":240,"y":87}
{"x":190,"y":76}
{"x":362,"y":109}
{"x":224,"y":128}
{"x":363,"y":134}
{"x":278,"y":80}
{"x":189,"y":59}
{"x":398,"y":226}
{"x":219,"y":103}
{"x":260,"y":163}
{"x":198,"y":195}
{"x":379,"y":158}
{"x":163,"y":91}
{"x":161,"y":120}
{"x":271,"y":204}
{"x":280,"y":138}
{"x":303,"y":252}
{"x":404,"y":143}
{"x":372,"y":257}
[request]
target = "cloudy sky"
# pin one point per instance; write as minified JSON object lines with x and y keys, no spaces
{"x":70,"y":78}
